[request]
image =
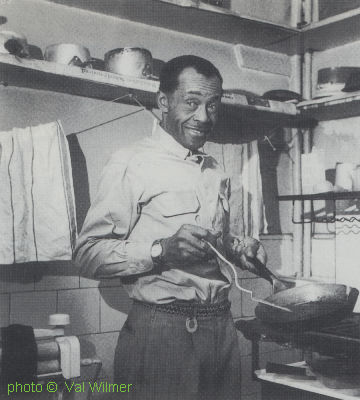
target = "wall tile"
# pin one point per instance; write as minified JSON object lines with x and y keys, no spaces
{"x":56,"y":275}
{"x":83,"y":306}
{"x":4,"y":310}
{"x":32,"y":308}
{"x":88,"y":283}
{"x":114,"y":307}
{"x":17,"y":278}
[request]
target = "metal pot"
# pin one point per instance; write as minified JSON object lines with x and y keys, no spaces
{"x":130,"y":61}
{"x":19,"y":44}
{"x":67,"y":53}
{"x":332,"y":80}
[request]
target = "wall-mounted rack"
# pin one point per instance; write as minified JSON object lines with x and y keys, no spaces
{"x":329,"y":196}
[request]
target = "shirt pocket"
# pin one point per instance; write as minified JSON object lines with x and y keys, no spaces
{"x":173,"y":204}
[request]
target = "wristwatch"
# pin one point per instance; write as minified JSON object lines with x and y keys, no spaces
{"x":156,"y":253}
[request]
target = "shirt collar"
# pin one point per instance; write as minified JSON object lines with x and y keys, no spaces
{"x":170,"y":144}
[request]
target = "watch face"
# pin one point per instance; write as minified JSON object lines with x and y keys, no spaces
{"x":156,"y":250}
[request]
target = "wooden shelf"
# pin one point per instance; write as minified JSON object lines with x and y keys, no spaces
{"x":321,"y":196}
{"x":194,"y":17}
{"x":342,"y":105}
{"x":107,"y":86}
{"x":102,"y":85}
{"x":333,"y":31}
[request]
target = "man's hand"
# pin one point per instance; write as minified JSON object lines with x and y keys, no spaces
{"x":242,"y":250}
{"x":187,"y":246}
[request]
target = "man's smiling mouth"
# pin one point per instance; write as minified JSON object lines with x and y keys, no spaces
{"x":197,"y":131}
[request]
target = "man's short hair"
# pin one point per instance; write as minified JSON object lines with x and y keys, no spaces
{"x":172,"y":69}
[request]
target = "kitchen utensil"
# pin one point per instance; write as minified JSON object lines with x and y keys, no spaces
{"x":236,"y":278}
{"x":67,"y":53}
{"x":313,"y":305}
{"x":130,"y":61}
{"x":282,"y":95}
{"x":94,"y":63}
{"x":332,"y":80}
{"x":344,"y":175}
{"x":13,"y":43}
{"x":356,"y":179}
{"x":352,"y":83}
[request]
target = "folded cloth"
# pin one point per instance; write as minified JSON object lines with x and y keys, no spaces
{"x":19,"y":355}
{"x":37,"y":207}
{"x":241,"y":163}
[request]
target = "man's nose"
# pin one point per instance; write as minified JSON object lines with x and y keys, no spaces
{"x":201,"y":114}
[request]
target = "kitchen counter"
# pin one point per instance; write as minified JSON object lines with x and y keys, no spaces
{"x":281,"y":386}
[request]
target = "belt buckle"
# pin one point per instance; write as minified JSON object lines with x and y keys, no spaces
{"x":191,"y":324}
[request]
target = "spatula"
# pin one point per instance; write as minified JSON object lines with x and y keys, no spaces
{"x":236,"y":278}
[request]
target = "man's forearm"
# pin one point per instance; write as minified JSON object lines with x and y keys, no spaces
{"x":108,"y":258}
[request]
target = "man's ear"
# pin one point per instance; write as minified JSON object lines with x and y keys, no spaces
{"x":162,"y":102}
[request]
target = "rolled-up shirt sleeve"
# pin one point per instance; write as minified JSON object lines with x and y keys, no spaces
{"x":103,"y":240}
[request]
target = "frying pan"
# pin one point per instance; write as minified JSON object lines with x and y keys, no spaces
{"x":313,"y":305}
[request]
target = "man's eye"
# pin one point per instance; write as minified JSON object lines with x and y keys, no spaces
{"x":192,"y":104}
{"x":212,"y":107}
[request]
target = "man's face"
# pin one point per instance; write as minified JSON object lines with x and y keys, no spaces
{"x":193,"y":108}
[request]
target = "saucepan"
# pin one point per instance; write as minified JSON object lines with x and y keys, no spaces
{"x":67,"y":53}
{"x":313,"y":305}
{"x":130,"y":61}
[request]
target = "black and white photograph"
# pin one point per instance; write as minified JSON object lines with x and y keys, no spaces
{"x":180,"y":199}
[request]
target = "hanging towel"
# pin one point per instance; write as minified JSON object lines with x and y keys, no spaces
{"x":37,"y":208}
{"x":242,"y":164}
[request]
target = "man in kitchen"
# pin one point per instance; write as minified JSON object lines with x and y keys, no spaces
{"x":160,"y":203}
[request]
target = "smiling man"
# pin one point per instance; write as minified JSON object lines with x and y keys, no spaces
{"x":158,"y":204}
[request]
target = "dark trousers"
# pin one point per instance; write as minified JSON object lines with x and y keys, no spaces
{"x":164,"y":361}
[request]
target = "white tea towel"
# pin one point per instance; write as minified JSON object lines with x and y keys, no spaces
{"x":241,"y":163}
{"x":37,"y":206}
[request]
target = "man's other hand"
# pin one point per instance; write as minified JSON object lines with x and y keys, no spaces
{"x":242,"y":250}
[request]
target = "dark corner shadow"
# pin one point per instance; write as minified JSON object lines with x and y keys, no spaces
{"x":80,"y":179}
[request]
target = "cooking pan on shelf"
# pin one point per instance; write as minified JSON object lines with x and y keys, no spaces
{"x":312,"y":305}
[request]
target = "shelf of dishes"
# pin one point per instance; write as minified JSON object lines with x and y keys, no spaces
{"x":337,"y":106}
{"x":88,"y":82}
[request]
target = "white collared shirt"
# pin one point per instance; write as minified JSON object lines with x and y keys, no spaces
{"x":146,"y":192}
